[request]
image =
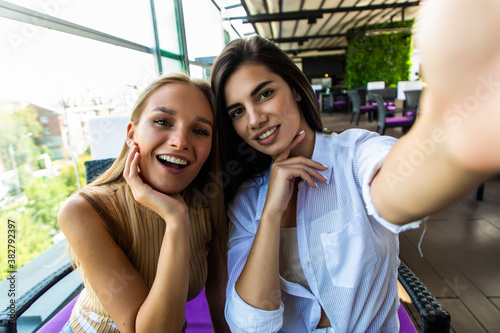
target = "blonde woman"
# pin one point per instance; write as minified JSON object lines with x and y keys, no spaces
{"x":142,"y":233}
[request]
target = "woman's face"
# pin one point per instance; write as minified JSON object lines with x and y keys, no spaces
{"x":263,"y":109}
{"x":174,"y":135}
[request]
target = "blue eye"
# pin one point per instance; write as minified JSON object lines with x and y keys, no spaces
{"x":162,"y":122}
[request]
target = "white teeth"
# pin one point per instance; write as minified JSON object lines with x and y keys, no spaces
{"x":172,"y":159}
{"x":265,"y":135}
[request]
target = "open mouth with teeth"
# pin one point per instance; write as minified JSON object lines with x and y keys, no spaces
{"x":172,"y":162}
{"x":268,"y":133}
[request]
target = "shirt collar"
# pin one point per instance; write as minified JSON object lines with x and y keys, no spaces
{"x":322,"y":153}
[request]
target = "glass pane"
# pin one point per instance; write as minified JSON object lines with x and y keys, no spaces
{"x":52,"y":83}
{"x":204,"y":34}
{"x":127,"y":19}
{"x":171,"y":66}
{"x":196,"y":72}
{"x":167,"y":26}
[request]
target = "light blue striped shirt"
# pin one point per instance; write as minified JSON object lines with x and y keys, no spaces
{"x":348,"y":253}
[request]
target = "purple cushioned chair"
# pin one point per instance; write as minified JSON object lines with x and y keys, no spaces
{"x":412,"y":102}
{"x":56,"y":323}
{"x":359,"y":109}
{"x":198,"y":318}
{"x":384,"y":122}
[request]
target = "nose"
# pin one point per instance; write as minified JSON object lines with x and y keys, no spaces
{"x":256,"y":117}
{"x":179,"y":138}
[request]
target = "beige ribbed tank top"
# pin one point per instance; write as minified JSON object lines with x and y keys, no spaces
{"x":139,"y":232}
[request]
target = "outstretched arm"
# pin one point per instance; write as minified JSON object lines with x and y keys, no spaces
{"x":453,"y":145}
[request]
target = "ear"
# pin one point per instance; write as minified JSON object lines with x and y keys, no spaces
{"x":298,"y":98}
{"x":130,"y":133}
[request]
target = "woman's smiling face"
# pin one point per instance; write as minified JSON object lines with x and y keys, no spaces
{"x":174,"y":135}
{"x":263,"y":108}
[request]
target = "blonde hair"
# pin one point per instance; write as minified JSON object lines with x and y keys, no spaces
{"x":195,"y":195}
{"x":115,"y":172}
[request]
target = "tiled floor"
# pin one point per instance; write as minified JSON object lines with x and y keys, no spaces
{"x":461,"y":251}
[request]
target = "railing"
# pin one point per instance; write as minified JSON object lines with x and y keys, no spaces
{"x":38,"y":290}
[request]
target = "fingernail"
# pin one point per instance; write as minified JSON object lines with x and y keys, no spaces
{"x":326,"y":166}
{"x":316,"y":184}
{"x":301,"y":132}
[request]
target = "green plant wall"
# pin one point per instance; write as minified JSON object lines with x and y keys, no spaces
{"x":381,"y":57}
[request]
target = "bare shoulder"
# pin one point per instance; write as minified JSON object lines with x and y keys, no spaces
{"x":77,"y":213}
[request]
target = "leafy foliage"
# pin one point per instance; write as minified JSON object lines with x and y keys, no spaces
{"x":35,"y":213}
{"x":379,"y":57}
{"x":18,"y":130}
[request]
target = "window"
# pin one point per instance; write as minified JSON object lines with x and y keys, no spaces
{"x":113,"y":17}
{"x":93,"y":63}
{"x":204,"y":36}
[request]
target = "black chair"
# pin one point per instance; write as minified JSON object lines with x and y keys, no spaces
{"x":357,"y":108}
{"x":412,"y":103}
{"x":371,"y":99}
{"x":93,"y":170}
{"x":433,"y":316}
{"x":384,"y":122}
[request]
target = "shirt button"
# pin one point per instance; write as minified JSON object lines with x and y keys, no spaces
{"x":299,"y":222}
{"x":306,"y":263}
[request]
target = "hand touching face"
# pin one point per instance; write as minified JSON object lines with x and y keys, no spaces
{"x":174,"y":137}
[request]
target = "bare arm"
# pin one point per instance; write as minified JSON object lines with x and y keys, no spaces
{"x":452,"y":148}
{"x":119,"y":286}
{"x":258,"y":283}
{"x":165,"y":305}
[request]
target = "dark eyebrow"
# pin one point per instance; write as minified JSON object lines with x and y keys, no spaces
{"x":252,"y":94}
{"x":173,"y":113}
{"x":259,"y":87}
{"x":204,"y":120}
{"x":165,"y":110}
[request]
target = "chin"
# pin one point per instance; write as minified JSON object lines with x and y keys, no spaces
{"x":167,"y":188}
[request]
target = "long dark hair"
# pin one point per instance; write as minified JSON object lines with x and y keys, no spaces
{"x":239,"y":160}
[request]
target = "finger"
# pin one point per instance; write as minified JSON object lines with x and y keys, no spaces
{"x":130,"y":157}
{"x":300,"y":160}
{"x":308,"y":174}
{"x":284,"y":154}
{"x":139,"y":188}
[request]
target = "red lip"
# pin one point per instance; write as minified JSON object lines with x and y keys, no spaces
{"x":270,"y":139}
{"x":256,"y":136}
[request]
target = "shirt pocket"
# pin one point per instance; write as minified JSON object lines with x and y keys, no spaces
{"x":349,"y":254}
